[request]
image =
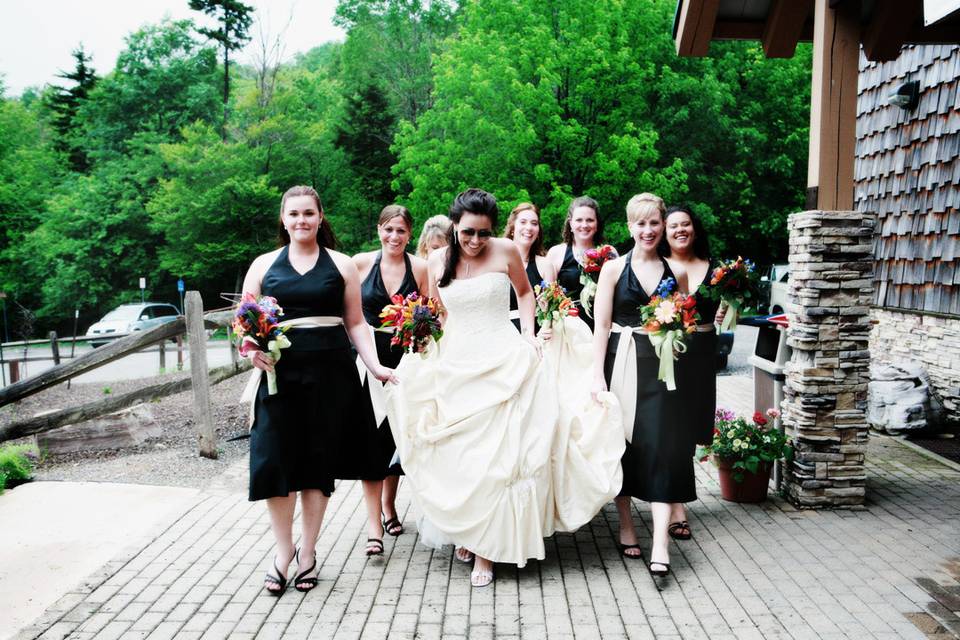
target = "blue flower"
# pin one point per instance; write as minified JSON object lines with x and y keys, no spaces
{"x":666,"y":286}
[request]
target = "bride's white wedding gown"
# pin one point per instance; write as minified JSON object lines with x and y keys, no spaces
{"x":501,"y":449}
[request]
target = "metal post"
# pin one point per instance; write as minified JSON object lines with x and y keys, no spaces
{"x":180,"y":352}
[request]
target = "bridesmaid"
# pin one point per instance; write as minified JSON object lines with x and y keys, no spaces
{"x":582,"y":230}
{"x":523,"y":227}
{"x":658,"y":462}
{"x":687,"y":247}
{"x":384,"y":273}
{"x":433,"y":236}
{"x":299,"y":436}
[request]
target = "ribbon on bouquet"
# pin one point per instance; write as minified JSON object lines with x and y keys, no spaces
{"x":249,"y":395}
{"x":378,"y":399}
{"x":588,"y":293}
{"x":729,"y":322}
{"x":667,"y":345}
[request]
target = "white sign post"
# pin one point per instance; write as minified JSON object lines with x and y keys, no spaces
{"x":143,"y":287}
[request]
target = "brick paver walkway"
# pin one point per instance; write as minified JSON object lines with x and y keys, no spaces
{"x":890,"y":570}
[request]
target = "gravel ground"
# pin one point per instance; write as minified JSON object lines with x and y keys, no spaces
{"x":170,"y":459}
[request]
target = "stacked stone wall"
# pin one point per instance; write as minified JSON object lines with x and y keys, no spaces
{"x":933,"y":341}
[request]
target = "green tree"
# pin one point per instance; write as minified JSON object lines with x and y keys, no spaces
{"x":234,"y":20}
{"x":64,"y":103}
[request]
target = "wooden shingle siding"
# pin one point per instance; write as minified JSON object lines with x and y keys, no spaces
{"x":908,"y":172}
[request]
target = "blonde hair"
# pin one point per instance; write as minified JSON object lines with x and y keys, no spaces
{"x":433,"y":227}
{"x":644,"y":204}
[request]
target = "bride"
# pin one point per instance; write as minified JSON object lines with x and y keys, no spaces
{"x":477,"y":421}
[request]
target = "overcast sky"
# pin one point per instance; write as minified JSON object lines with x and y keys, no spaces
{"x":37,"y":36}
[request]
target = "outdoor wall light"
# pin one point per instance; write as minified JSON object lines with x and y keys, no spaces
{"x":907,"y":95}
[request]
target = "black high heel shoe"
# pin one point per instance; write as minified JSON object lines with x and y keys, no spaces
{"x":278,"y":580}
{"x":659,"y":573}
{"x":301,"y":579}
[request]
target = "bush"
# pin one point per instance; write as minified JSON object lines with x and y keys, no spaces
{"x":16,"y":463}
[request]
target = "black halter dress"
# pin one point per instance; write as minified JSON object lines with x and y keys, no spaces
{"x":375,"y":297}
{"x":696,"y":371}
{"x":569,"y":279}
{"x":312,"y":430}
{"x":658,"y":463}
{"x":533,"y":275}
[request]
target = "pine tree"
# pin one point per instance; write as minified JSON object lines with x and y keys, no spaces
{"x":64,"y":103}
{"x":235,"y":19}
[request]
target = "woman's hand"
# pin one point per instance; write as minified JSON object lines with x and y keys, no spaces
{"x":534,"y":343}
{"x":261,"y":360}
{"x":599,"y":386}
{"x":385,"y":374}
{"x":721,"y":312}
{"x":546,"y":333}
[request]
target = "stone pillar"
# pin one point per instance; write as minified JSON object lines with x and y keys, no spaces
{"x":825,"y":395}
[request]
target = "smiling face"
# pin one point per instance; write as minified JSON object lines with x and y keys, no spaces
{"x":526,"y":228}
{"x":473,"y":233}
{"x":301,"y":217}
{"x":680,"y":232}
{"x":394,"y":235}
{"x":583,"y":222}
{"x":646,"y":228}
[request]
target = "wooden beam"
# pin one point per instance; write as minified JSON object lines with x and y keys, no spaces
{"x":892,"y":22}
{"x":753,"y":30}
{"x":784,"y":25}
{"x":88,"y":361}
{"x":202,"y":411}
{"x":695,"y":27}
{"x":833,"y":106}
{"x":97,"y":408}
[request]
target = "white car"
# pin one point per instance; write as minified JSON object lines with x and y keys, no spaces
{"x":779,"y":280}
{"x":128,"y":318}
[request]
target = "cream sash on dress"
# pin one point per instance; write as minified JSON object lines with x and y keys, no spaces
{"x":623,"y":378}
{"x":249,"y":395}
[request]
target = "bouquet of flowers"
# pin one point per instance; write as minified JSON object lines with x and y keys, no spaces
{"x":256,"y":325}
{"x":736,"y":284}
{"x":593,"y":261}
{"x":414,"y":321}
{"x":553,"y":304}
{"x":667,"y":318}
{"x":746,"y":445}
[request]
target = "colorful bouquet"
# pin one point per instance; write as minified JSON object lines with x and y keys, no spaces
{"x":734,"y":283}
{"x":667,"y":318}
{"x":553,"y":304}
{"x":746,"y":446}
{"x":414,"y":321}
{"x":593,"y":261}
{"x":256,"y":325}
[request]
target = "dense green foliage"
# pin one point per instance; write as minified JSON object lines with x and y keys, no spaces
{"x":144,"y":173}
{"x":16,"y":463}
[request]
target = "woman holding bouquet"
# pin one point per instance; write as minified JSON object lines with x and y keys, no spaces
{"x":475,"y":417}
{"x":317,"y":426}
{"x":582,"y":230}
{"x":686,"y":247}
{"x":523,"y":227}
{"x":383,"y":274}
{"x":658,"y":463}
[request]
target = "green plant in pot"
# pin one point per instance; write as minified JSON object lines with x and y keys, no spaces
{"x":745,"y":452}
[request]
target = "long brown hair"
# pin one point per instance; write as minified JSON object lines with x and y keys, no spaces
{"x":536,"y":249}
{"x":476,"y":201}
{"x":325,"y":236}
{"x":583,"y":201}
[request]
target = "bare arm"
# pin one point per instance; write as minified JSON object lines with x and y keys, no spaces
{"x":518,"y":277}
{"x":420,"y":274}
{"x":354,"y":322}
{"x":603,"y":319}
{"x":547,"y":271}
{"x":555,"y":257}
{"x":363,"y":262}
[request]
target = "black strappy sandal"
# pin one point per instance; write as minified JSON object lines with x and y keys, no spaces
{"x":300,"y":579}
{"x":676,"y":527}
{"x":625,"y":547}
{"x":377,"y":549}
{"x":659,"y":573}
{"x":391,"y":525}
{"x":278,"y":580}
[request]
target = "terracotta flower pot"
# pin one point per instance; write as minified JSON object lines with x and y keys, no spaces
{"x":752,"y":489}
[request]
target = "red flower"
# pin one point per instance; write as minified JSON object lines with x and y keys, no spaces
{"x":759,"y":419}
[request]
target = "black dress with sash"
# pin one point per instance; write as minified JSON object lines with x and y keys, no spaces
{"x":533,"y":275}
{"x":569,"y":278}
{"x":312,"y":430}
{"x":374,"y":298}
{"x":658,"y":463}
{"x":696,"y":371}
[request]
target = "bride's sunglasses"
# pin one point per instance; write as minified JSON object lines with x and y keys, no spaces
{"x":483,"y":234}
